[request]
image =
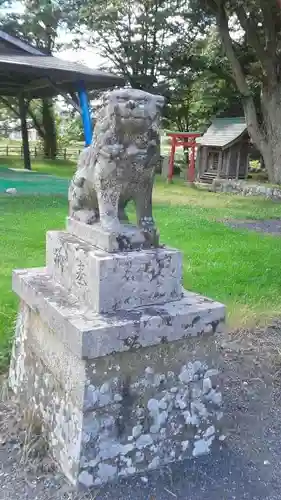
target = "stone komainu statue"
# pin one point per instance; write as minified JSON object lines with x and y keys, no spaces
{"x":119,"y":165}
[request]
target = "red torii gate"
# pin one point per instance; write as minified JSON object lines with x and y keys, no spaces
{"x":183,"y":139}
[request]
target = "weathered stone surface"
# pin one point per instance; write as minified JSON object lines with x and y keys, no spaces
{"x":128,"y":237}
{"x":96,"y":440}
{"x":119,"y":166}
{"x":38,"y":388}
{"x":109,"y":282}
{"x":91,"y":335}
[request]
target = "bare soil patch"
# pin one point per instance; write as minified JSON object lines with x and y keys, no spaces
{"x":270,"y":226}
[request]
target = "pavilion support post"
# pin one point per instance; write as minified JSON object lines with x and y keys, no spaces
{"x":24,"y":132}
{"x":85,"y":113}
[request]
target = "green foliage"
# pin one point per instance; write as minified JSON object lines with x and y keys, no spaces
{"x":204,"y":89}
{"x":70,"y":130}
{"x":213,"y":92}
{"x":27,"y":228}
{"x":163,"y":45}
{"x":139,"y":38}
{"x":159,"y":45}
{"x":255,"y":164}
{"x":37,"y":23}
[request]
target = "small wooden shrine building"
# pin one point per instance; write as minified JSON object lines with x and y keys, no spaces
{"x":223,"y":151}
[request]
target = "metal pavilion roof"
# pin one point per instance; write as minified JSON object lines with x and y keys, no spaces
{"x":27,"y":73}
{"x":43,"y":76}
{"x":12,"y":43}
{"x":26,"y":70}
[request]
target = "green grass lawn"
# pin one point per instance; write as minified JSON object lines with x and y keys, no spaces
{"x":239,"y":268}
{"x":60,"y":168}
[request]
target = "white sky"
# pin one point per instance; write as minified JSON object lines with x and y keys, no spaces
{"x":90,"y":57}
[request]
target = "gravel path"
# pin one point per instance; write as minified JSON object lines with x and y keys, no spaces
{"x":246,"y":467}
{"x":271,"y":226}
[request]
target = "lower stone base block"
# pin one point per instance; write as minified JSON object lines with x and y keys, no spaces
{"x":120,"y":413}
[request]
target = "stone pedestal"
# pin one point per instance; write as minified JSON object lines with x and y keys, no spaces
{"x":107,"y":353}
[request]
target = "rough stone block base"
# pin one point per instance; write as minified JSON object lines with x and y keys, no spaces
{"x":110,"y":353}
{"x":119,"y":414}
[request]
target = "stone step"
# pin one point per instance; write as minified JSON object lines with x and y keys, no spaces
{"x":212,"y":173}
{"x":208,"y":177}
{"x":90,"y":335}
{"x":107,"y":282}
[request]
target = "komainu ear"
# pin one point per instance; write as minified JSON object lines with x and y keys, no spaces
{"x":160,"y":102}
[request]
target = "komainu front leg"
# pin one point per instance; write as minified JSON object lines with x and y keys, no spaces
{"x":83,"y":205}
{"x":108,"y":200}
{"x":143,"y":202}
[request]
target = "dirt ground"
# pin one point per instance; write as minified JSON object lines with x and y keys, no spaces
{"x":270,"y":226}
{"x":247,"y":465}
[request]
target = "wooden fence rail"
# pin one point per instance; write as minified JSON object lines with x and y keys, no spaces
{"x":36,"y":152}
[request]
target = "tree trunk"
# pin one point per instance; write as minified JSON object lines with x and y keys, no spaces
{"x":50,"y":138}
{"x":265,"y":136}
{"x":269,"y":141}
{"x":271,"y":149}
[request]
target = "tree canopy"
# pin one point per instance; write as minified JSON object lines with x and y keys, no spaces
{"x":138,"y":38}
{"x":163,"y":46}
{"x":250,"y":34}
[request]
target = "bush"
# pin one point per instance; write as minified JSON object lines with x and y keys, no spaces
{"x":255,"y":164}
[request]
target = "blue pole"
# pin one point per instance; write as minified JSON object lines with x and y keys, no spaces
{"x":85,"y":113}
